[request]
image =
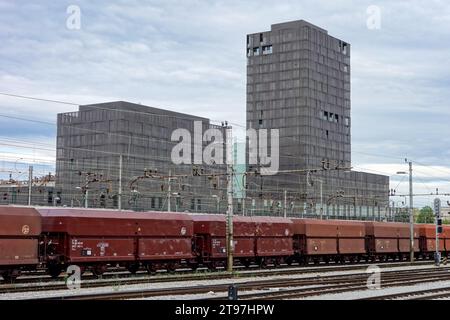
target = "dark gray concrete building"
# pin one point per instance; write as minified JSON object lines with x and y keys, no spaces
{"x":298,"y":81}
{"x":91,"y":141}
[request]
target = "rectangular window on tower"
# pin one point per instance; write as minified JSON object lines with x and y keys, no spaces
{"x":347,"y":121}
{"x":331,"y":117}
{"x":267,"y":49}
{"x":344,"y":48}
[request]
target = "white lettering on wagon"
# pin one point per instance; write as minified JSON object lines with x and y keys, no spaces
{"x":76,"y":244}
{"x":102,"y":246}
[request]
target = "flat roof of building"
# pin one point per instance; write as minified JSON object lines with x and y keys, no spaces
{"x":126,"y":106}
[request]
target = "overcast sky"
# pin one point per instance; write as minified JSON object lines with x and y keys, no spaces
{"x":189,"y":56}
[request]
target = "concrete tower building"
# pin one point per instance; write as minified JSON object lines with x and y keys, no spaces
{"x":298,"y":81}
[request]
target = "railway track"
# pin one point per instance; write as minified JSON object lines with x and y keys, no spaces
{"x":360,"y":284}
{"x":270,"y":288}
{"x":421,"y":294}
{"x":125,"y":278}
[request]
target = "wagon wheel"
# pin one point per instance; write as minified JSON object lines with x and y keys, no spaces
{"x":193,"y":266}
{"x":54,"y":270}
{"x":171,"y":267}
{"x":326,"y":260}
{"x":263,"y":263}
{"x":212,"y":265}
{"x":99,"y":270}
{"x":10,"y":276}
{"x":151,"y":269}
{"x":289,"y":261}
{"x":133,"y":268}
{"x":277,"y":262}
{"x":303,"y":261}
{"x":245,"y":263}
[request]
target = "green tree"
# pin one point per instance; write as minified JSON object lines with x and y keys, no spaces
{"x":426,"y":215}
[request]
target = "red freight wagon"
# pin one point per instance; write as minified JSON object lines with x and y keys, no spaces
{"x":427,"y":235}
{"x":210,"y":239}
{"x":314,"y":237}
{"x":388,"y":239}
{"x":351,"y":237}
{"x":446,"y":236}
{"x":20,"y":228}
{"x":255,"y":239}
{"x":328,"y":239}
{"x":404,"y":238}
{"x":382,"y":238}
{"x":95,"y":238}
{"x":273,"y":238}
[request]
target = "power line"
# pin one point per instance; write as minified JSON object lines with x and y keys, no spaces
{"x":96,"y":106}
{"x":37,"y":99}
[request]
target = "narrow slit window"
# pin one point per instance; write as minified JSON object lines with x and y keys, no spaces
{"x":347,"y":121}
{"x":344,"y":48}
{"x":152,"y":204}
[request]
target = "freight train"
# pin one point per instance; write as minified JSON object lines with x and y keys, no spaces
{"x":54,"y":238}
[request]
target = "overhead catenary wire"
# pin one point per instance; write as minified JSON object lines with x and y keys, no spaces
{"x":99,"y":107}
